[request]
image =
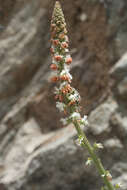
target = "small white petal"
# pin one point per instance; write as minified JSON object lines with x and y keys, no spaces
{"x":98,"y":145}
{"x":63,"y":84}
{"x":84,"y":120}
{"x":71,"y":97}
{"x":75,"y":115}
{"x":64,"y":121}
{"x":66,"y":50}
{"x":89,"y":161}
{"x":74,"y":96}
{"x":77,"y":142}
{"x":56,"y":90}
{"x":81,"y":140}
{"x":60,"y":106}
{"x":85,"y":117}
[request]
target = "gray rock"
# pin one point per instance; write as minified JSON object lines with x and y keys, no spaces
{"x":99,"y":118}
{"x":117,"y":16}
{"x":21,"y":39}
{"x":119,"y":71}
{"x":31,"y":149}
{"x":119,"y":121}
{"x":122,"y":88}
{"x":113,"y":143}
{"x":27,"y":140}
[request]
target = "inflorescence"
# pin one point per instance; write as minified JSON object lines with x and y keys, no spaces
{"x":68,"y":98}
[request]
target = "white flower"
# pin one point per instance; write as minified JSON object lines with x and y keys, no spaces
{"x":60,"y":106}
{"x":56,"y":90}
{"x":67,"y":67}
{"x":71,"y":97}
{"x":85,"y":117}
{"x":79,"y":141}
{"x":69,"y":75}
{"x":55,"y":62}
{"x":68,"y":56}
{"x":98,"y":145}
{"x":63,"y":72}
{"x":108,"y":175}
{"x":89,"y":161}
{"x":84,"y":120}
{"x":66,"y":50}
{"x":63,"y":84}
{"x":75,"y":115}
{"x":64,"y":121}
{"x":74,"y":96}
{"x":57,"y":54}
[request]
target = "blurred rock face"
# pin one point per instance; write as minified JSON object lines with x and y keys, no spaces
{"x":34,"y":152}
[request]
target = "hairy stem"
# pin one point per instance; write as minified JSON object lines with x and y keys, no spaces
{"x":94,"y":157}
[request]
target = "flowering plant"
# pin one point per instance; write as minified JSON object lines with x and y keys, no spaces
{"x":68,"y":98}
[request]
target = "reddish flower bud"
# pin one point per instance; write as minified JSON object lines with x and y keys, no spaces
{"x":54,"y":79}
{"x":51,"y":50}
{"x":65,"y":77}
{"x":66,"y":89}
{"x":68,"y":61}
{"x":55,"y":42}
{"x":62,"y":36}
{"x":53,"y":67}
{"x":64,"y":45}
{"x":53,"y":34}
{"x":68,"y":86}
{"x":58,"y":58}
{"x":51,"y":40}
{"x":64,"y":92}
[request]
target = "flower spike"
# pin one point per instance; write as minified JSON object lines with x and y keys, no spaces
{"x":61,"y":59}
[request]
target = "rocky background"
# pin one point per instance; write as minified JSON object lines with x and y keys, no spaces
{"x":36,"y":151}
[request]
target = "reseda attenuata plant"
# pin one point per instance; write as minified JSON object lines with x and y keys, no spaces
{"x":68,"y":98}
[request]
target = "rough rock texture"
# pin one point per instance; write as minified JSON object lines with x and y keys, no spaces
{"x":35,"y":154}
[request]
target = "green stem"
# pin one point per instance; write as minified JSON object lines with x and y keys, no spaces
{"x":94,"y":157}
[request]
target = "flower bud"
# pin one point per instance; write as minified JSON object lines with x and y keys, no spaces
{"x":55,"y":79}
{"x":52,"y":50}
{"x":55,"y":42}
{"x":68,"y":61}
{"x":64,"y":45}
{"x":58,"y":58}
{"x":53,"y":67}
